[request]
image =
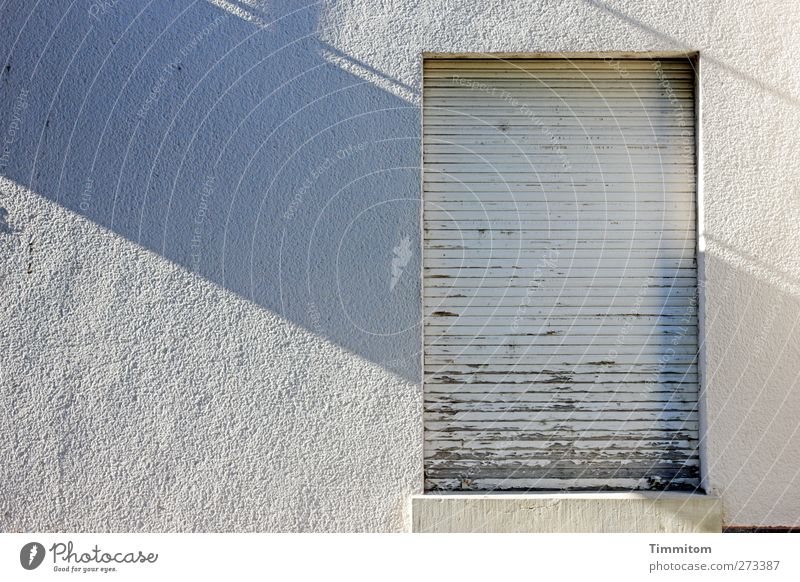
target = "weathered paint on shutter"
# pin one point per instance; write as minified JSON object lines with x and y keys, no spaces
{"x":560,"y":275}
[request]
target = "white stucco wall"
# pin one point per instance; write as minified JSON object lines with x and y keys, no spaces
{"x":201,"y":202}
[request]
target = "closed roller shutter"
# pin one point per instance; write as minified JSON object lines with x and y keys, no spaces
{"x":560,"y":275}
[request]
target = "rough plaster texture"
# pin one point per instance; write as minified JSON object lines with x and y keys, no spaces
{"x":201,"y":203}
{"x":567,"y":513}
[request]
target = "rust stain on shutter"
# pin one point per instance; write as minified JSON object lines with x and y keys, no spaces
{"x":560,"y":278}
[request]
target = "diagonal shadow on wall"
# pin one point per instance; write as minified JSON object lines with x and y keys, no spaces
{"x":223,"y":137}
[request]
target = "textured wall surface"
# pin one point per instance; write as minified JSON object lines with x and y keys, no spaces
{"x":209,"y":226}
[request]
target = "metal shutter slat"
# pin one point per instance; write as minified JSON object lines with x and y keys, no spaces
{"x":559,"y":274}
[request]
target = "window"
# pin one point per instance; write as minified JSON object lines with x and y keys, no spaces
{"x":560,"y":277}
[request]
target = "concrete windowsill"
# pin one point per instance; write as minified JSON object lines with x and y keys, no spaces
{"x":559,"y":512}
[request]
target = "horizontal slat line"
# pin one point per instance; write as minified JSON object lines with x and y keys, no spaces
{"x":634,"y":114}
{"x":537,"y":408}
{"x":561,"y":202}
{"x":576,"y":205}
{"x":474,"y":172}
{"x":539,"y":296}
{"x":518,"y":468}
{"x":488,"y":83}
{"x":563,"y":393}
{"x":597,"y":127}
{"x":512,"y":471}
{"x":540,"y":450}
{"x":545,"y":112}
{"x":671,"y":364}
{"x":464,"y":75}
{"x":634,"y":236}
{"x":548,"y":102}
{"x":561,"y":246}
{"x":555,"y":346}
{"x":452,"y":464}
{"x":561,"y":145}
{"x":538,"y":358}
{"x":559,"y":63}
{"x":588,"y":73}
{"x":576,"y":226}
{"x":591,"y":164}
{"x":567,"y":335}
{"x":489,"y":381}
{"x":447,"y":334}
{"x":507,"y":474}
{"x":553,"y":326}
{"x":597,"y":87}
{"x":560,"y":319}
{"x":604,"y":188}
{"x":532,"y":258}
{"x":561,"y":399}
{"x":612,"y":484}
{"x":621,"y":444}
{"x":532,"y":440}
{"x":474,"y":221}
{"x":513,"y":430}
{"x":610,"y":379}
{"x":566,"y":294}
{"x":464,"y":421}
{"x":622,"y":351}
{"x":531,"y":346}
{"x":482,"y":283}
{"x":533,"y":277}
{"x":570,"y":233}
{"x":443,"y":459}
{"x":551,"y":108}
{"x":504,"y":385}
{"x":579,"y":219}
{"x":565,"y":268}
{"x":525,"y":96}
{"x":486,"y":195}
{"x":555,"y":371}
{"x":550,"y":162}
{"x":587,"y":435}
{"x":546,"y":115}
{"x":447,"y":309}
{"x":509,"y":276}
{"x":536,"y":317}
{"x":456,"y":118}
{"x":600,"y":341}
{"x":565,"y":262}
{"x":568,"y":297}
{"x":541,"y":355}
{"x":561,"y":372}
{"x":566,"y":144}
{"x":482,"y":173}
{"x":536,"y":70}
{"x":475,"y":378}
{"x":559,"y":92}
{"x":555,"y":110}
{"x":640,"y":131}
{"x":526,"y":303}
{"x":564,"y":389}
{"x":539,"y":402}
{"x":575,"y":155}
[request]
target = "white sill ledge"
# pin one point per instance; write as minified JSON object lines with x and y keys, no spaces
{"x":558,"y":512}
